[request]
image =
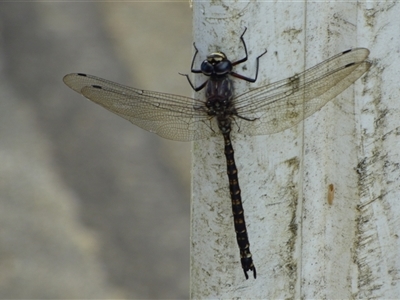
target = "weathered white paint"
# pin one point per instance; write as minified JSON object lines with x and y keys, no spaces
{"x":302,"y":246}
{"x":378,"y":120}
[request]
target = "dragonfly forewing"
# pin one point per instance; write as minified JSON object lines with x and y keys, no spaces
{"x":170,"y":116}
{"x":281,"y":105}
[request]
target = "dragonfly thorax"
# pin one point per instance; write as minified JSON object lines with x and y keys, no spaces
{"x":219,"y":93}
{"x":216,"y":64}
{"x":217,"y":106}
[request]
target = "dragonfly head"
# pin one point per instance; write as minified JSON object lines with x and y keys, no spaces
{"x":216,"y":64}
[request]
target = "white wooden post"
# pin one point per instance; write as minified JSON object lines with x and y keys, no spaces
{"x":303,"y":245}
{"x":378,"y":119}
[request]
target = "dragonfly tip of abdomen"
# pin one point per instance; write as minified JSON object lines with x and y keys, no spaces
{"x":253,"y":268}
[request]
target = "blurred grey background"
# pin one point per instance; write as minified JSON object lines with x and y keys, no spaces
{"x":90,"y":205}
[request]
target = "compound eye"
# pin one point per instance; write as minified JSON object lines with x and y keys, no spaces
{"x":223,"y":67}
{"x":207,"y":68}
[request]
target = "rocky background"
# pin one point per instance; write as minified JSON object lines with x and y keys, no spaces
{"x":90,"y":205}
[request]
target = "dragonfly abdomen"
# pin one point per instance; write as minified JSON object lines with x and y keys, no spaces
{"x":237,"y":209}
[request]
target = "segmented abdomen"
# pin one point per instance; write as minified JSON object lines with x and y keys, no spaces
{"x":237,"y":209}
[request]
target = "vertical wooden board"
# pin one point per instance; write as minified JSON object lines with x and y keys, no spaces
{"x":268,"y":166}
{"x":377,"y":243}
{"x":329,"y":158}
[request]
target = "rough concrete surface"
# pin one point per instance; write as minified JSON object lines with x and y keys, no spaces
{"x":90,"y":205}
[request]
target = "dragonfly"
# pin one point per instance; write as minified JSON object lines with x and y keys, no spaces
{"x":260,"y":111}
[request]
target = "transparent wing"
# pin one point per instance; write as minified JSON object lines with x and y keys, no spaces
{"x":283,"y":104}
{"x":265,"y":110}
{"x":170,"y":116}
